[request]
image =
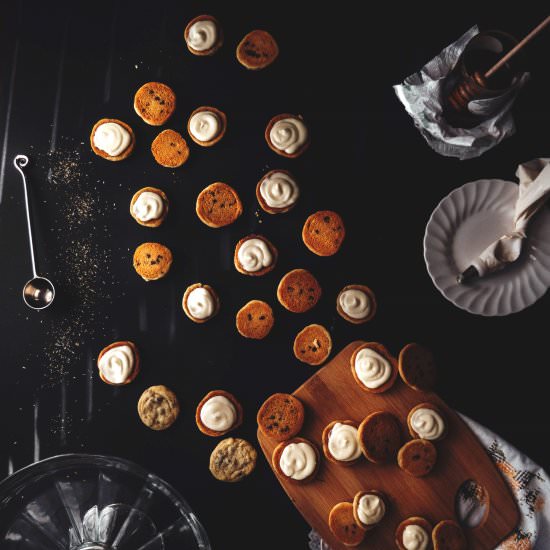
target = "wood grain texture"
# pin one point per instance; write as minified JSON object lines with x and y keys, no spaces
{"x":332,"y":394}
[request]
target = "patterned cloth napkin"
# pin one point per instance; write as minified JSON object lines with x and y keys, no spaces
{"x":529,"y":483}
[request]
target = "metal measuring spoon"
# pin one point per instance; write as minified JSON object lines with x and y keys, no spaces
{"x":39,"y":292}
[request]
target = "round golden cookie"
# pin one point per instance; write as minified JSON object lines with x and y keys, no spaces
{"x":232,"y":460}
{"x":135,"y":369}
{"x":278,"y":451}
{"x":281,"y":152}
{"x":280,"y":193}
{"x":155,"y":103}
{"x":281,"y":416}
{"x":257,"y":50}
{"x":158,"y":407}
{"x":417,"y":367}
{"x":448,"y":535}
{"x":380,"y":437}
{"x":218,"y":205}
{"x":325,"y":440}
{"x":230,"y":397}
{"x":211,"y":291}
{"x":222,"y":119}
{"x":126,"y":153}
{"x":417,"y":457}
{"x":156,"y":221}
{"x":219,"y":35}
{"x":385,"y":354}
{"x":343,"y":525}
{"x":414,"y":520}
{"x":256,"y":256}
{"x":357,"y":498}
{"x":255,"y":320}
{"x":434,"y":408}
{"x":313,"y":345}
{"x":152,"y":261}
{"x":324,"y":232}
{"x":298,"y":291}
{"x":371,"y":304}
{"x":170,"y":149}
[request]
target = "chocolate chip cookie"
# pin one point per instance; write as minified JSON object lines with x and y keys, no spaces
{"x":232,"y":459}
{"x":257,"y":50}
{"x":218,"y":205}
{"x":343,"y":525}
{"x":255,"y":320}
{"x":170,"y":149}
{"x":281,"y":416}
{"x":158,"y":407}
{"x":152,"y":261}
{"x":298,"y":291}
{"x":155,"y":103}
{"x":324,"y":232}
{"x":417,"y":457}
{"x":313,"y":345}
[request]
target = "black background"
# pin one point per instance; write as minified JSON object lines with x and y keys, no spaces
{"x":366,"y":161}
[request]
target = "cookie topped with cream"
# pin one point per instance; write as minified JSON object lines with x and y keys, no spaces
{"x":118,"y":363}
{"x":296,"y":459}
{"x":149,"y":206}
{"x":255,"y":255}
{"x":203,"y":35}
{"x":341,"y":442}
{"x":373,"y":367}
{"x":200,"y":302}
{"x":112,"y":139}
{"x":218,"y":413}
{"x":287,"y":135}
{"x":426,"y":421}
{"x":206,"y":126}
{"x":277,"y":191}
{"x":356,"y":304}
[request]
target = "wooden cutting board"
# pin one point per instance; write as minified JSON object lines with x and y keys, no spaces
{"x":332,"y":394}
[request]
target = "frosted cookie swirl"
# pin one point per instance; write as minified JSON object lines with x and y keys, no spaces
{"x":288,"y":135}
{"x":148,"y":206}
{"x":218,"y":414}
{"x":415,"y":538}
{"x":254,"y":255}
{"x":202,"y":35}
{"x":371,"y":368}
{"x":117,"y":364}
{"x":279,"y":190}
{"x":298,"y":460}
{"x":428,"y":424}
{"x":111,"y":138}
{"x":355,"y":303}
{"x":370,"y":509}
{"x":343,"y":443}
{"x":205,"y":125}
{"x":200,"y":303}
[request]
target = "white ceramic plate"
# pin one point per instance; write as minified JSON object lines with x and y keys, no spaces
{"x":463,"y":224}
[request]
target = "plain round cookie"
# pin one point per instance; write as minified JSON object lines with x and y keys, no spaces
{"x":372,"y":302}
{"x":417,"y":457}
{"x":261,"y":201}
{"x":313,"y":345}
{"x":100,"y":153}
{"x":152,"y":261}
{"x":218,"y":205}
{"x":358,"y":496}
{"x":158,"y":407}
{"x":448,"y":535}
{"x":158,"y":221}
{"x":257,"y":50}
{"x":280,"y":152}
{"x":234,"y":401}
{"x":155,"y":103}
{"x":298,"y":291}
{"x":417,"y":367}
{"x":281,"y":416}
{"x":135,"y":353}
{"x":170,"y":149}
{"x":380,"y":437}
{"x":278,"y":451}
{"x":414,"y":520}
{"x":324,"y":232}
{"x":255,"y":320}
{"x":274,"y":255}
{"x":383,"y":352}
{"x":325,"y":440}
{"x":434,"y":408}
{"x":223,"y":125}
{"x":212,"y":292}
{"x":219,"y":42}
{"x":341,"y":522}
{"x":232,"y":460}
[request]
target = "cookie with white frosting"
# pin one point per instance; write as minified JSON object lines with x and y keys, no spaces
{"x":118,"y":363}
{"x":369,"y":508}
{"x":426,"y":421}
{"x":112,"y":139}
{"x":206,"y":126}
{"x":170,"y":149}
{"x":373,"y":367}
{"x":296,"y":459}
{"x":149,"y":206}
{"x":218,"y":413}
{"x":287,"y":135}
{"x":356,"y":304}
{"x":255,"y":320}
{"x":277,"y":191}
{"x":414,"y":533}
{"x":448,"y":535}
{"x":218,"y":205}
{"x":155,"y":103}
{"x":341,"y":442}
{"x":255,"y":256}
{"x":417,"y":457}
{"x":281,"y":416}
{"x":341,"y":522}
{"x":200,"y":302}
{"x":203,"y":35}
{"x":313,"y":345}
{"x":257,"y":50}
{"x":380,"y":437}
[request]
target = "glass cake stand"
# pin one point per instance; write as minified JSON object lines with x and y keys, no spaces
{"x":91,"y":502}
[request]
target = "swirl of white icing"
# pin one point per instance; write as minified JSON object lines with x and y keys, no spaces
{"x":117,"y":364}
{"x":200,"y":303}
{"x":370,"y":509}
{"x":218,"y":414}
{"x":428,"y":424}
{"x":279,"y":190}
{"x":288,"y":135}
{"x":254,"y":254}
{"x":148,"y":206}
{"x":111,"y":138}
{"x":355,"y":303}
{"x":204,"y":125}
{"x":343,"y":443}
{"x":298,"y":460}
{"x":371,"y":368}
{"x":202,"y":35}
{"x":415,"y":538}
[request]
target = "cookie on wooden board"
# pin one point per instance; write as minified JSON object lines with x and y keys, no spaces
{"x":341,"y":522}
{"x":255,"y":320}
{"x":324,"y":232}
{"x":380,"y":437}
{"x":112,"y":139}
{"x":281,"y":416}
{"x":255,"y":256}
{"x":341,"y":442}
{"x":369,"y":508}
{"x":257,"y":50}
{"x":152,"y":261}
{"x":448,"y":535}
{"x":218,"y":205}
{"x":232,"y":460}
{"x":426,"y":421}
{"x":298,"y":291}
{"x":417,"y":457}
{"x":373,"y":367}
{"x":118,"y":363}
{"x":218,"y":413}
{"x":203,"y":35}
{"x":155,"y":103}
{"x":414,"y":531}
{"x":313,"y":345}
{"x":417,"y":367}
{"x":297,"y":460}
{"x":158,"y":407}
{"x":149,"y":206}
{"x":170,"y":149}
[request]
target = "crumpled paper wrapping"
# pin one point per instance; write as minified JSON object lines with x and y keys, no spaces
{"x":421,"y":95}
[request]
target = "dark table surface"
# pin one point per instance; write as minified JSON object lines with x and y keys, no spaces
{"x":64,"y":68}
